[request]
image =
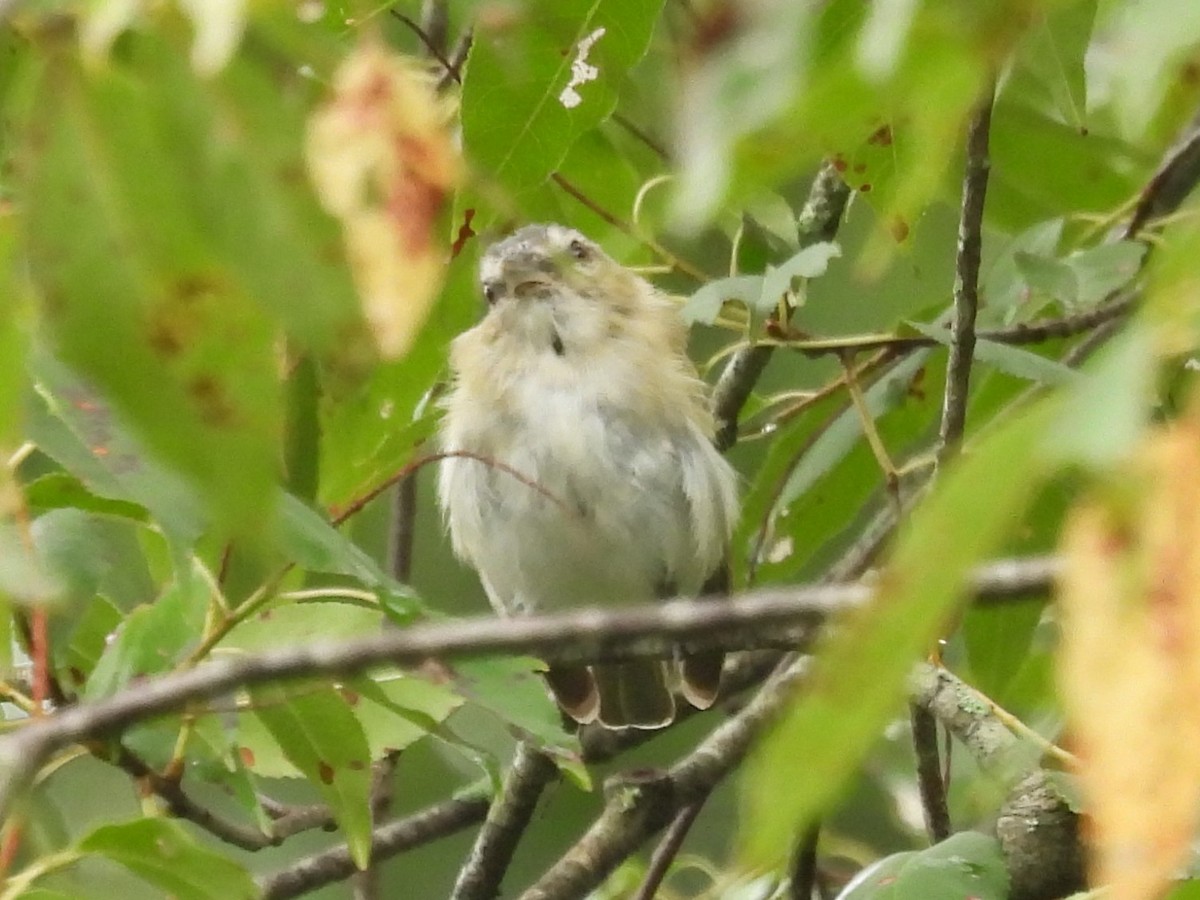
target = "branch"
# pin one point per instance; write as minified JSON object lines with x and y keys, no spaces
{"x":667,"y":850}
{"x":509,"y":816}
{"x":966,"y":280}
{"x":818,"y":221}
{"x":387,"y":841}
{"x":1172,"y":182}
{"x":638,"y":807}
{"x":585,"y":635}
{"x":1038,"y":832}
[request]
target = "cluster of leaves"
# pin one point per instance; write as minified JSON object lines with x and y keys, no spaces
{"x":193,"y":396}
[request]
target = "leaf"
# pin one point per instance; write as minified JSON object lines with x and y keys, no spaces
{"x":1005,"y":288}
{"x":318,"y":733}
{"x":1101,"y":270}
{"x":62,"y":491}
{"x":133,"y":290}
{"x":160,"y":851}
{"x":151,"y":639}
{"x":510,"y":688}
{"x":859,"y":675}
{"x":965,"y":865}
{"x":1049,"y":62}
{"x":705,"y":305}
{"x":291,"y":623}
{"x":535,"y":85}
{"x":1051,"y":277}
{"x":381,"y":157}
{"x":1130,"y":611}
{"x":1006,"y":358}
{"x":397,"y":709}
{"x":810,"y":262}
{"x":841,"y":436}
{"x":315,"y":544}
{"x":1106,"y":411}
{"x":80,"y":431}
{"x":1043,"y":168}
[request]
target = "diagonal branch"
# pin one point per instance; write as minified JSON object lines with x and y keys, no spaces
{"x":387,"y":841}
{"x":509,"y":816}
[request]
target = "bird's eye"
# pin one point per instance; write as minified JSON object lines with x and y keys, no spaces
{"x":489,"y":294}
{"x":578,"y":249}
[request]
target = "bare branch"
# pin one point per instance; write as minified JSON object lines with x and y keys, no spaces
{"x":966,"y":279}
{"x":509,"y":816}
{"x":667,"y":849}
{"x":1172,"y":182}
{"x":387,"y":841}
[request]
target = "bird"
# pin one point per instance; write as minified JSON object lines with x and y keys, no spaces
{"x":579,"y":467}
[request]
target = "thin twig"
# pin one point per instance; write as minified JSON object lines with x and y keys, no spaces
{"x":1173,"y":181}
{"x":509,"y":816}
{"x":930,"y":780}
{"x":666,"y":851}
{"x":804,"y":865}
{"x":337,"y":864}
{"x":966,"y":280}
{"x":431,"y":42}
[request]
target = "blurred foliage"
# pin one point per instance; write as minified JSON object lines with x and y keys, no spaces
{"x":192,"y":399}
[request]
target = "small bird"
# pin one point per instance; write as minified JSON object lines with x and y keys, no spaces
{"x":592,"y":480}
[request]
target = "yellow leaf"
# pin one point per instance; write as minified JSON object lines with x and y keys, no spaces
{"x":1129,"y":664}
{"x":382,"y":161}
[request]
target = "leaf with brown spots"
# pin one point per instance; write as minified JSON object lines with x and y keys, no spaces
{"x":382,"y":161}
{"x":320,"y":735}
{"x":1129,"y":664}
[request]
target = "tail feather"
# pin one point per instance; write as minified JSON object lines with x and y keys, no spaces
{"x":575,"y":690}
{"x":635,"y":694}
{"x":700,"y":677}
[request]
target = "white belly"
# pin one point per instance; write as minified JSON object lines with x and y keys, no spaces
{"x":619,"y":529}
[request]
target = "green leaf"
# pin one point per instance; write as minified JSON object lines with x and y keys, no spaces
{"x":1005,"y":290}
{"x":315,"y":544}
{"x":1105,"y":413}
{"x":529,"y":92}
{"x":76,"y":655}
{"x":396,"y":709}
{"x":1043,"y":168}
{"x":859,"y":676}
{"x":318,"y":733}
{"x":810,"y":262}
{"x":62,"y":491}
{"x":510,"y":688}
{"x":832,"y":445}
{"x":965,"y":865}
{"x":162,"y":853}
{"x":80,"y":431}
{"x":1048,"y":68}
{"x":705,"y":305}
{"x":133,"y":290}
{"x":1051,"y":277}
{"x":1101,"y":270}
{"x":152,"y":638}
{"x":290,"y":623}
{"x":1006,"y":358}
